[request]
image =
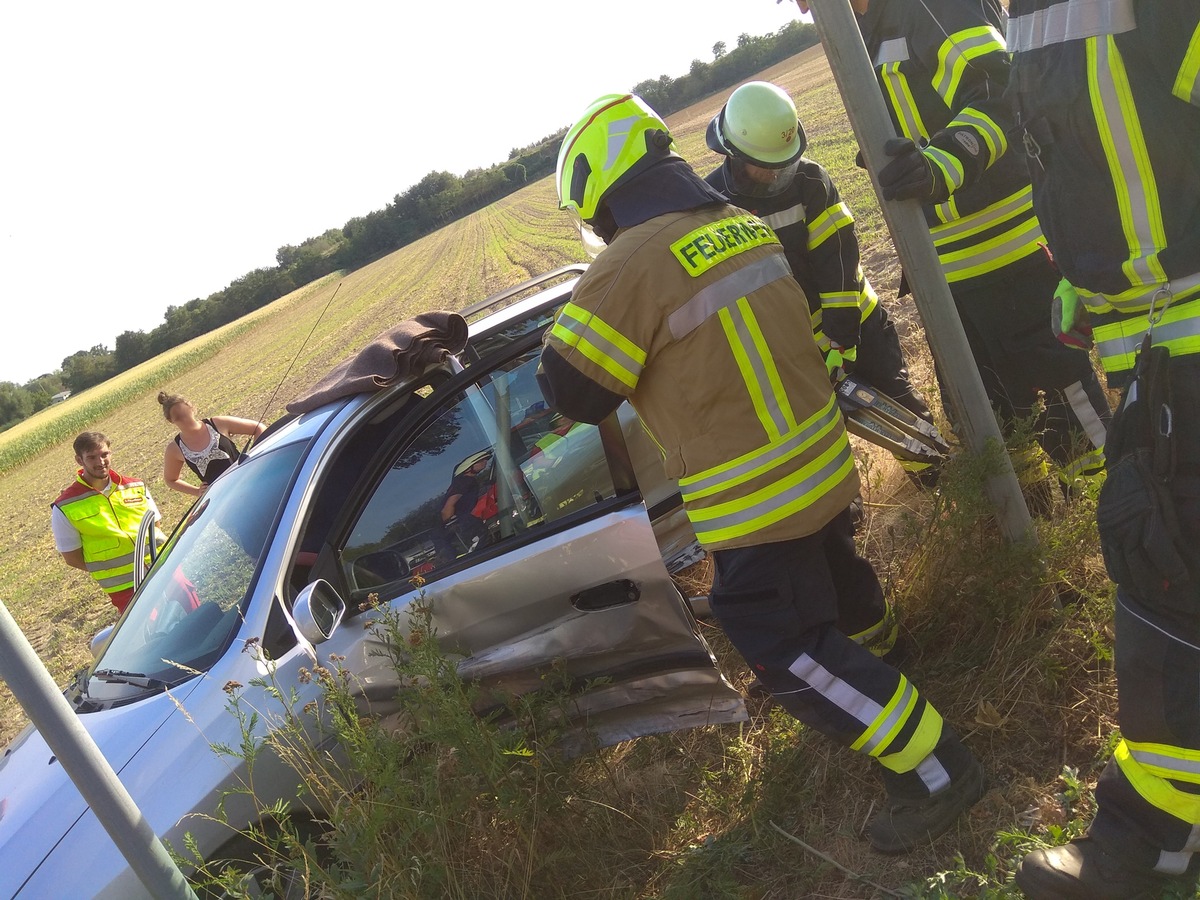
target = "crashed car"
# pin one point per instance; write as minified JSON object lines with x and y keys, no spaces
{"x":564,"y":561}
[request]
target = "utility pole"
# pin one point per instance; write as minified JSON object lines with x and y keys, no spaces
{"x":974,"y":420}
{"x":82,"y":760}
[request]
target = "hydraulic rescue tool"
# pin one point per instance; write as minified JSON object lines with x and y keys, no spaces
{"x":876,"y":417}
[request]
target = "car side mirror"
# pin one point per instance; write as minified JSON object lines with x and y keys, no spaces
{"x":99,"y":641}
{"x":318,"y":610}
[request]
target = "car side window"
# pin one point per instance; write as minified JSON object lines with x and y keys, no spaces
{"x":492,"y":464}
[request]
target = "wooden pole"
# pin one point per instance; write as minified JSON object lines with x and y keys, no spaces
{"x":974,"y":420}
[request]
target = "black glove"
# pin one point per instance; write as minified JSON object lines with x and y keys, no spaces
{"x":910,"y":174}
{"x":841,"y":324}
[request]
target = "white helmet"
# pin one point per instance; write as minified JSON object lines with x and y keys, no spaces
{"x":759,"y":131}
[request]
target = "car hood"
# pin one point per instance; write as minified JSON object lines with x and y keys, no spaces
{"x":39,"y":804}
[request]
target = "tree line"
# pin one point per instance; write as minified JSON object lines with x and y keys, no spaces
{"x":436,"y":200}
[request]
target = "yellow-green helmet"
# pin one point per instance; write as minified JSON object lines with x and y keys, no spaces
{"x":618,"y":137}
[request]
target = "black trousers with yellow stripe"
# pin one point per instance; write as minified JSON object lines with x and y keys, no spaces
{"x":788,"y":608}
{"x":1143,"y":814}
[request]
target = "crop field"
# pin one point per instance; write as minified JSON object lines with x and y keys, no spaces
{"x":1029,"y":686}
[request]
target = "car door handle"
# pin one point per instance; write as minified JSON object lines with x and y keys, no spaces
{"x":607,"y":595}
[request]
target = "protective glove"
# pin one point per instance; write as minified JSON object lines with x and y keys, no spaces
{"x":1069,"y":318}
{"x":841,"y":325}
{"x":837,"y":358}
{"x":911,"y":175}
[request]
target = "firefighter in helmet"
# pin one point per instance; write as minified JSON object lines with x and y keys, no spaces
{"x":762,"y":139}
{"x":692,"y":314}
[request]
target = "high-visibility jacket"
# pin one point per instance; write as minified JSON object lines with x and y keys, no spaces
{"x":816,"y":230}
{"x":108,"y":527}
{"x":943,"y":70}
{"x":1108,"y":113}
{"x":696,"y":318}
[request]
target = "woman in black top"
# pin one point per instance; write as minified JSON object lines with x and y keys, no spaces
{"x":205,"y":445}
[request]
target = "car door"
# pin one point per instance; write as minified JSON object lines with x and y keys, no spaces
{"x":526,"y":534}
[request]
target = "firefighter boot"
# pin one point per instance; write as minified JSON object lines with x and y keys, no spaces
{"x":1082,"y":870}
{"x":908,"y":824}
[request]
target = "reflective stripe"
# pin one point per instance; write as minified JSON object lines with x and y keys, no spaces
{"x":969,"y":262}
{"x":87,"y":495}
{"x":727,"y":291}
{"x":1138,"y":298}
{"x":758,"y":369}
{"x":881,"y":723}
{"x":882,"y":730}
{"x":933,"y":774}
{"x":1179,"y":330}
{"x":1165,"y":761}
{"x":1149,"y":779}
{"x":115,"y":562}
{"x":956,"y":53}
{"x":785,"y":217}
{"x":992,"y":134}
{"x":1187,"y":81}
{"x":750,"y":465}
{"x":601,"y":343}
{"x":1176,"y":863}
{"x":989,"y":217}
{"x":900,"y":98}
{"x":841,"y":694}
{"x":952,"y":168}
{"x":1069,"y":21}
{"x":111,"y":583}
{"x":826,"y":225}
{"x":1085,"y":412}
{"x":840,"y":300}
{"x":892,"y":51}
{"x":774,"y":503}
{"x":1125,"y":148}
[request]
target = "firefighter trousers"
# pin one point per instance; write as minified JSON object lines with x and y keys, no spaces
{"x":787,"y":608}
{"x":1006,"y":317}
{"x":1148,"y":797}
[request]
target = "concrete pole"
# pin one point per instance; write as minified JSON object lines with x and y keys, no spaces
{"x":974,"y":420}
{"x":82,"y":760}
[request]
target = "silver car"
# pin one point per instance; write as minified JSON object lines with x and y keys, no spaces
{"x":548,"y":553}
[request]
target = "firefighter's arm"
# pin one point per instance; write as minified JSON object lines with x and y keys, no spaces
{"x":833,"y":253}
{"x":969,"y":68}
{"x":571,"y":392}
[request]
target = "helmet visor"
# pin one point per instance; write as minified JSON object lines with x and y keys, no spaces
{"x":750,"y":180}
{"x":592,"y":242}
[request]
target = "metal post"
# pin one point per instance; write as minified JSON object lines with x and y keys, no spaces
{"x":82,"y":760}
{"x":974,"y":419}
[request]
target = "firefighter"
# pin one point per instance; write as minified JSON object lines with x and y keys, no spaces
{"x":762,"y":139}
{"x":943,"y":68}
{"x":1107,"y":103}
{"x":692,"y":313}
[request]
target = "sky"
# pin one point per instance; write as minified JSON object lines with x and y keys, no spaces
{"x":155,"y":152}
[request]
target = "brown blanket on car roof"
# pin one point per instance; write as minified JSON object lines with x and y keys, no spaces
{"x":392,"y":356}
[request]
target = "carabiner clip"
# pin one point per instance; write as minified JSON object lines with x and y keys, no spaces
{"x":1156,"y":313}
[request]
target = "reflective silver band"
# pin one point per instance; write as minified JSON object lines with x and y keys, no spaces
{"x":584,"y":332}
{"x":1070,"y":20}
{"x":103,"y":565}
{"x":895,"y":50}
{"x":725,"y":292}
{"x":785,"y":217}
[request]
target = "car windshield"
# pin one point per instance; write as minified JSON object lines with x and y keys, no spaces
{"x":189,"y":608}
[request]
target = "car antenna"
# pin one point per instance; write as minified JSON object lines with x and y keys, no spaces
{"x":303,"y":344}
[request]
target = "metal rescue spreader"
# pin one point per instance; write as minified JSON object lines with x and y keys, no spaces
{"x":876,"y":417}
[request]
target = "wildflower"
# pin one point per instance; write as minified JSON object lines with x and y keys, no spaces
{"x":311,"y":707}
{"x":231,"y":686}
{"x":303,"y":675}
